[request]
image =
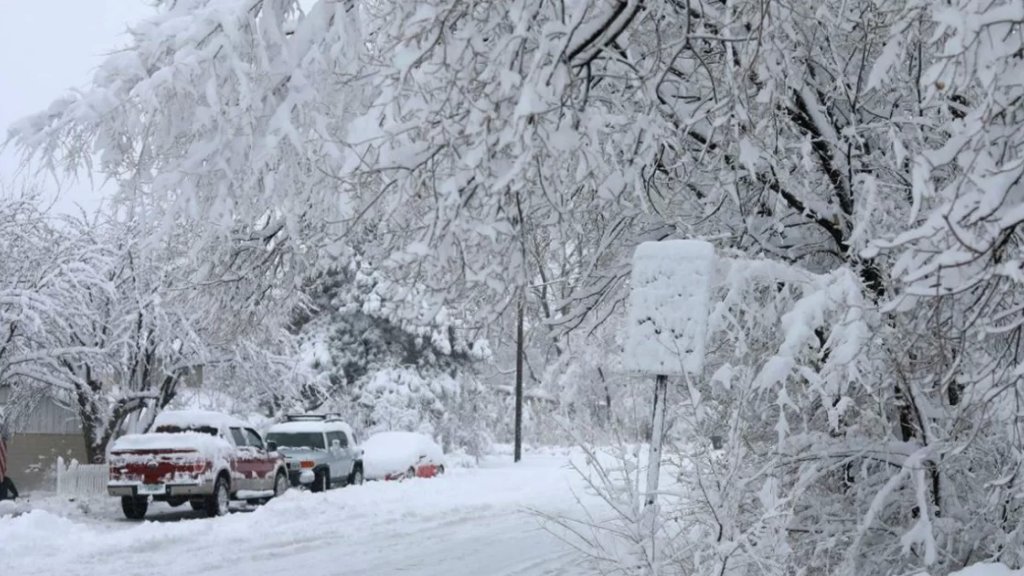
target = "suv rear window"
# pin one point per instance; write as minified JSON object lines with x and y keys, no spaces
{"x":313,"y":440}
{"x":340,"y":437}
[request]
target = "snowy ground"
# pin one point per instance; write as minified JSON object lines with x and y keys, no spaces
{"x":468,"y":522}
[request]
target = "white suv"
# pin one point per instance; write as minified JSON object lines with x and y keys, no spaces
{"x":320,"y":450}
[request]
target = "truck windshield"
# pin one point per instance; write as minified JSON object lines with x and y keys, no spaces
{"x":314,"y":440}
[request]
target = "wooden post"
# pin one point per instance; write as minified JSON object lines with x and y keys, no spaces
{"x":61,"y":472}
{"x":519,"y":384}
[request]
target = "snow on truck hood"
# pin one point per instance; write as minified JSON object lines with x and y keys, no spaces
{"x":180,"y":441}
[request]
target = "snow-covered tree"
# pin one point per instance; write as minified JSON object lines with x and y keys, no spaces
{"x":381,"y":353}
{"x":146,"y":334}
{"x":257,"y":372}
{"x":863,"y":153}
{"x":95,"y":317}
{"x":45,"y":282}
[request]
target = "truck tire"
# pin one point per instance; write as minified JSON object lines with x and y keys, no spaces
{"x":356,"y":477}
{"x":321,"y":480}
{"x":134,"y":507}
{"x":281,"y":483}
{"x":217,"y":503}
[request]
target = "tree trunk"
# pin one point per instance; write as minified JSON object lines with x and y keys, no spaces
{"x":607,"y":397}
{"x":519,"y":384}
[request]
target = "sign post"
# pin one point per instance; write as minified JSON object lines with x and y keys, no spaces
{"x":668,"y":315}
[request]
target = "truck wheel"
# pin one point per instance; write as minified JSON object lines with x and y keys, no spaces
{"x":356,"y":477}
{"x":321,"y":481}
{"x":281,"y":484}
{"x":134,"y":507}
{"x":217,"y":503}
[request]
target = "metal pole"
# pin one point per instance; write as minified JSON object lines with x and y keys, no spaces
{"x":657,"y":437}
{"x":650,"y":511}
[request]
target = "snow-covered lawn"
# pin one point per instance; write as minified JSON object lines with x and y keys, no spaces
{"x":468,"y":522}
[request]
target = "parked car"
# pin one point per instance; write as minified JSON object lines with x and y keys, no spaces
{"x":203,"y":458}
{"x":320,"y":451}
{"x":400,"y":455}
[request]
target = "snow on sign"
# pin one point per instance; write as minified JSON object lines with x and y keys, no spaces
{"x":668,"y":307}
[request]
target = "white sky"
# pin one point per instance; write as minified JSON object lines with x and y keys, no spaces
{"x":48,"y":47}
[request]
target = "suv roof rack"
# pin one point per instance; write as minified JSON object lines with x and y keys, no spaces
{"x":330,"y":416}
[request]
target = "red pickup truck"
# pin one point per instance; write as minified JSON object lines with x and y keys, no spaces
{"x":203,"y":458}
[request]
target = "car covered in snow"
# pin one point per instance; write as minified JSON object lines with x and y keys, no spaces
{"x":320,"y":451}
{"x":200,"y":457}
{"x":400,"y":455}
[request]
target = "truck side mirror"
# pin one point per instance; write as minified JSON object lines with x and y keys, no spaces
{"x":336,"y":444}
{"x":271,"y":446}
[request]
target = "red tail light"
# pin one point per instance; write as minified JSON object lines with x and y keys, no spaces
{"x":116,"y":471}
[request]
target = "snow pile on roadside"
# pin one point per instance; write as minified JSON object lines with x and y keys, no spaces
{"x":12,"y":508}
{"x":987,"y":569}
{"x":460,"y":459}
{"x":379,"y":523}
{"x":88,"y":509}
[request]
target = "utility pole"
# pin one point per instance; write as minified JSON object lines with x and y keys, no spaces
{"x":519,"y":383}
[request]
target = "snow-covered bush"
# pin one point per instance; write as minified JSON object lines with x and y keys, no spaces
{"x":382,"y":356}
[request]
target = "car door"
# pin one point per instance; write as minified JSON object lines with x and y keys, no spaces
{"x":243,"y":461}
{"x":262,"y":477}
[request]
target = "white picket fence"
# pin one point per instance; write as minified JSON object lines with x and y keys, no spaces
{"x":81,"y":480}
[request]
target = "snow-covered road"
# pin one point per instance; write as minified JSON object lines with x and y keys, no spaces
{"x":468,"y":522}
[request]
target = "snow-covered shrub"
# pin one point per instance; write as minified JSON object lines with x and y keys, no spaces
{"x":383,"y":357}
{"x":786,"y":356}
